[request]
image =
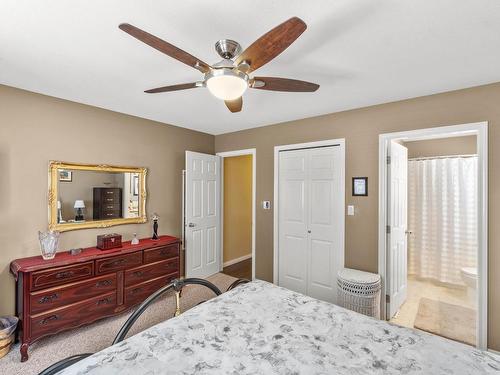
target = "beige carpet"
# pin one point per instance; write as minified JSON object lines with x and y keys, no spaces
{"x":99,"y":335}
{"x":444,"y":319}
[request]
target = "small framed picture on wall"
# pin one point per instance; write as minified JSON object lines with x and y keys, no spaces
{"x":65,"y":176}
{"x":360,"y":186}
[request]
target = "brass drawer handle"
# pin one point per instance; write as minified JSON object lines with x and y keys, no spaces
{"x":109,"y":199}
{"x":118,"y":262}
{"x":110,"y":192}
{"x":138,"y":273}
{"x":103,"y":283}
{"x":111,"y":206}
{"x":64,"y":275}
{"x":48,"y":299}
{"x":104,"y":301}
{"x":49,"y":319}
{"x":164,"y":252}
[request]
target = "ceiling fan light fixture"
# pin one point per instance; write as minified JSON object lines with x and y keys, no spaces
{"x":226,"y":84}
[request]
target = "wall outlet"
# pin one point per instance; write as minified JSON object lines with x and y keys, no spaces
{"x":350,"y":210}
{"x":266,"y":205}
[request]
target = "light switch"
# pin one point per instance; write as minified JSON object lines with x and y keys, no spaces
{"x":266,"y":205}
{"x":350,"y":210}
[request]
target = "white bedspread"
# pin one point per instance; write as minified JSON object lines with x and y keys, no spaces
{"x":259,"y":328}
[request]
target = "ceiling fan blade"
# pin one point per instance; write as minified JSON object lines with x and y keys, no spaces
{"x":271,"y":44}
{"x":165,"y":47}
{"x":182,"y":86}
{"x":234,"y":105}
{"x":282,"y":84}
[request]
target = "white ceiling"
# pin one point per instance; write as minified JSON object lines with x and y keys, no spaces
{"x":361,"y":52}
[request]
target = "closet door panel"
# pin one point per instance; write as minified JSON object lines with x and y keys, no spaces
{"x":293,"y":241}
{"x":326,"y":253}
{"x":321,"y":264}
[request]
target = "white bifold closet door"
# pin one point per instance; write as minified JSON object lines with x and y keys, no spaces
{"x":311,"y":214}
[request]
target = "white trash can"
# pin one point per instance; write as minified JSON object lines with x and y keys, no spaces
{"x":359,"y":291}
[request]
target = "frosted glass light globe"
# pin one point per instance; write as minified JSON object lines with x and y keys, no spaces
{"x":226,"y":84}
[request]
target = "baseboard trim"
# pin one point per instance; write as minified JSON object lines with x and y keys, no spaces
{"x":494,"y":351}
{"x":237,"y":260}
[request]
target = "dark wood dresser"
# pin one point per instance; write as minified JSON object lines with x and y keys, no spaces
{"x":107,"y":203}
{"x":73,"y":290}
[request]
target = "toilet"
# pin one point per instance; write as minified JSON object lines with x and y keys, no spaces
{"x":469,"y":277}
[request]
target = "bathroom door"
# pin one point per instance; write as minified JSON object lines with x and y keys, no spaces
{"x":397,"y":216}
{"x":202,"y":223}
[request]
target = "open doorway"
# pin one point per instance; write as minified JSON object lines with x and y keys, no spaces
{"x":238,"y":213}
{"x":432,"y":251}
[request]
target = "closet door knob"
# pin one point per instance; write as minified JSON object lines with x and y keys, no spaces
{"x":191,"y":225}
{"x":309,"y":231}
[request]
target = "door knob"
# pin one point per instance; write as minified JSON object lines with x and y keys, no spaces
{"x":408,"y":232}
{"x":309,"y":231}
{"x":191,"y":225}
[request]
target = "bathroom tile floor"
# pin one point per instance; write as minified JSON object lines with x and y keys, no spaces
{"x":418,"y":289}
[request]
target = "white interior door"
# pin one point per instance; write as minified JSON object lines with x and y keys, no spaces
{"x":398,"y":203}
{"x":293,"y":236}
{"x":310,"y":221}
{"x":202,"y":228}
{"x":325,"y":218}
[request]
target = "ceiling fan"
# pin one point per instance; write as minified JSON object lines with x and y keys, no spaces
{"x":229,"y":78}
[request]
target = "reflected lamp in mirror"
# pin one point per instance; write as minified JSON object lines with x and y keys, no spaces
{"x":97,"y":196}
{"x":79,"y":207}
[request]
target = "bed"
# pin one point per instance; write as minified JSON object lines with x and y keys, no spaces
{"x":259,"y":328}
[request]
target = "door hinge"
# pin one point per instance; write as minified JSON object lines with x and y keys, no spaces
{"x":388,"y":229}
{"x":388,"y":160}
{"x":387,"y":298}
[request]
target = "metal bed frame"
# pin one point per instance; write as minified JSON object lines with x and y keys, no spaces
{"x":176,"y":285}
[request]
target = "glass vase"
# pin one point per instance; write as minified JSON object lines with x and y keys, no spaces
{"x":48,"y":243}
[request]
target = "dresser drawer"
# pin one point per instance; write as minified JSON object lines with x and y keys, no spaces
{"x":111,"y":207}
{"x":151,"y":271}
{"x":111,"y":200}
{"x":61,"y":275}
{"x":73,"y":315}
{"x":48,"y":299}
{"x":161,"y":253}
{"x":110,"y":192}
{"x":137,"y":293}
{"x":117,"y":263}
{"x":106,"y":214}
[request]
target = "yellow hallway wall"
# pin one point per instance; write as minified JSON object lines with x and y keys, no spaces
{"x":237,"y":207}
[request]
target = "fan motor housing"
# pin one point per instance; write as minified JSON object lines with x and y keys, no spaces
{"x":227,"y":48}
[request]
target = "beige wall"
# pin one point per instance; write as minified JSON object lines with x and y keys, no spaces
{"x":237,"y":207}
{"x":442,"y":147}
{"x":35,"y":129}
{"x":361,"y":128}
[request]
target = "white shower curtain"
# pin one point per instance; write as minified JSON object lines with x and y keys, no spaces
{"x":442,"y":214}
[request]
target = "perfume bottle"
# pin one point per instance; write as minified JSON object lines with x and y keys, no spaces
{"x":135,"y":240}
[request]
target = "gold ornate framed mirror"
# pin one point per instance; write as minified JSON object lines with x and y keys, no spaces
{"x":85,"y":196}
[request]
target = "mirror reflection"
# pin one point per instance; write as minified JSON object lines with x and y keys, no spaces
{"x":88,"y":195}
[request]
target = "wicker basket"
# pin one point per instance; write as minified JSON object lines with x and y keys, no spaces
{"x":8,"y":326}
{"x":359,"y":291}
